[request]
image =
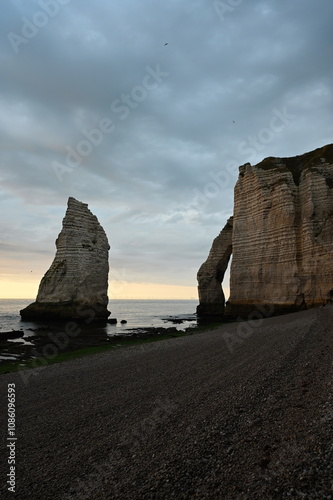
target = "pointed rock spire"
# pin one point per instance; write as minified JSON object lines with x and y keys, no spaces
{"x":75,"y":286}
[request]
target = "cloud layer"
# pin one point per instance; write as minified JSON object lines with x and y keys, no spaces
{"x":95,"y":105}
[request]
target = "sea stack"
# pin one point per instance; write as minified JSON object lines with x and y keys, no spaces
{"x":75,"y":286}
{"x":282,"y":236}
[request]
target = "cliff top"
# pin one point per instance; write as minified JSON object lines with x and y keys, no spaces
{"x":296,"y":164}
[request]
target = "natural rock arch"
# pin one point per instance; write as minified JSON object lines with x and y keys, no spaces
{"x":211,"y":273}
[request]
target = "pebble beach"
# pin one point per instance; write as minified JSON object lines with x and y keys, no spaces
{"x":183,"y":418}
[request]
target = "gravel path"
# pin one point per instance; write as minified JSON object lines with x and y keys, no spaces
{"x":183,"y":418}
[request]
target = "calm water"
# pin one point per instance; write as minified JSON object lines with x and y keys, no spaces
{"x":137,"y":313}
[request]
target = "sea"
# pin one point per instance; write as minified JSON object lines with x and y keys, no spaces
{"x":138,"y":314}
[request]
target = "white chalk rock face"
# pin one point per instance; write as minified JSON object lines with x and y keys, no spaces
{"x":281,"y":239}
{"x":75,"y":286}
{"x":283,"y":234}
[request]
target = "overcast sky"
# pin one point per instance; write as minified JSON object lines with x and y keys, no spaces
{"x":144,"y":110}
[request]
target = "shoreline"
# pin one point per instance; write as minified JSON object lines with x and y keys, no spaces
{"x":134,"y":337}
{"x":23,"y":342}
{"x":56,"y":353}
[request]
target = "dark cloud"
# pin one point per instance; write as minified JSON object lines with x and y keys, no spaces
{"x":181,"y":116}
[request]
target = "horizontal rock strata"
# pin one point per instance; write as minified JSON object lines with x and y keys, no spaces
{"x":282,"y":236}
{"x":75,"y":286}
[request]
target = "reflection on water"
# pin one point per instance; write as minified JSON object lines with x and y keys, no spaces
{"x":43,"y":341}
{"x":21,"y":341}
{"x":9,"y":358}
{"x":48,"y":341}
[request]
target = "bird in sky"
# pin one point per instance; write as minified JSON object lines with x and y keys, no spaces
{"x":166,"y":44}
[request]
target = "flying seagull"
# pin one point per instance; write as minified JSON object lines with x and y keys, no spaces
{"x":166,"y":44}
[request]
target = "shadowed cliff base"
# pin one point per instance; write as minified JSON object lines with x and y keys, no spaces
{"x":249,"y":310}
{"x":245,"y":311}
{"x":65,"y":311}
{"x":210,"y":311}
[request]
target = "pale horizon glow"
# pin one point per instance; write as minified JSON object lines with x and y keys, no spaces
{"x":152,"y":291}
{"x":117,"y":290}
{"x":12,"y":289}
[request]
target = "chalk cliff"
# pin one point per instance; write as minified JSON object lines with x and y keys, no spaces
{"x":211,"y":274}
{"x":75,"y":286}
{"x":282,"y":238}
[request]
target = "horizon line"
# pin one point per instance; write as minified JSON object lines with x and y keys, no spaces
{"x":110,"y":300}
